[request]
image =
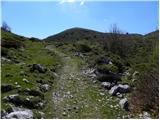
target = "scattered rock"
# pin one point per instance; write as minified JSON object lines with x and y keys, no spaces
{"x":106,"y":85}
{"x":19,"y":113}
{"x":45,"y":87}
{"x":64,"y":113}
{"x":89,"y":72}
{"x":38,"y":67}
{"x":16,"y":83}
{"x":119,"y":88}
{"x":124,"y":104}
{"x":111,"y":106}
{"x":32,"y":103}
{"x":119,"y":95}
{"x":94,"y":81}
{"x":6,"y":87}
{"x":25,"y":80}
{"x":3,"y":59}
{"x":11,"y":97}
{"x":146,"y":115}
{"x":79,"y":54}
{"x":102,"y":94}
{"x":124,"y":88}
{"x":18,"y":86}
{"x":114,"y":90}
{"x":42,"y":114}
{"x":40,"y":104}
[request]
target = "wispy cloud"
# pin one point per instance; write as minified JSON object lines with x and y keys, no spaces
{"x":66,"y":1}
{"x":82,"y":2}
{"x":71,"y":1}
{"x":62,"y":1}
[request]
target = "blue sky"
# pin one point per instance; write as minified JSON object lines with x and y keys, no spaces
{"x":41,"y":19}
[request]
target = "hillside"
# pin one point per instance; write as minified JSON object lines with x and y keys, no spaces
{"x":80,"y":73}
{"x":76,"y":34}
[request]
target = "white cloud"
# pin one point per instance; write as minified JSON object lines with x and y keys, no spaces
{"x":82,"y":2}
{"x":62,"y":1}
{"x":66,"y":1}
{"x":71,"y":1}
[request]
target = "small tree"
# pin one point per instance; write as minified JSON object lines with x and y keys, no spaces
{"x":6,"y":27}
{"x":115,"y":32}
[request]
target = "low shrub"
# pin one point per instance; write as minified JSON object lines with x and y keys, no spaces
{"x":4,"y":51}
{"x":146,"y":95}
{"x":107,"y":68}
{"x":82,"y":47}
{"x":11,"y":44}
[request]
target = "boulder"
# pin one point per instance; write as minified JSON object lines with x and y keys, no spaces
{"x":124,"y":88}
{"x":6,"y":87}
{"x":38,"y":67}
{"x":32,"y":102}
{"x":19,"y":113}
{"x":119,"y":88}
{"x":11,"y":98}
{"x":124,"y":104}
{"x":107,"y":85}
{"x":110,"y":77}
{"x":114,"y":90}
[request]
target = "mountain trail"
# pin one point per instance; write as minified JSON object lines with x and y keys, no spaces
{"x":76,"y":96}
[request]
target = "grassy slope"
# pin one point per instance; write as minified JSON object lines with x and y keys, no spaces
{"x":84,"y":91}
{"x":33,"y":52}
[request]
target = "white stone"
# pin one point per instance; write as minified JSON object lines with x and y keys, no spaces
{"x":146,"y":115}
{"x":124,"y":103}
{"x":113,"y":91}
{"x":19,"y":113}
